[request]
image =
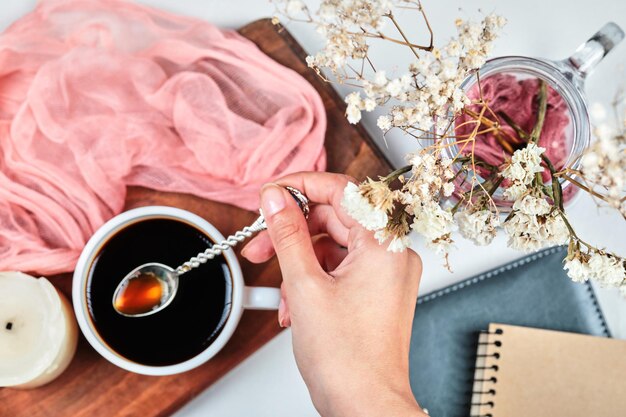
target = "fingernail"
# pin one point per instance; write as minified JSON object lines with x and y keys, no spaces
{"x":244,"y":250}
{"x":281,"y":313}
{"x":272,"y":200}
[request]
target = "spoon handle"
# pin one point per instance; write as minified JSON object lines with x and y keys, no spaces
{"x":240,"y":236}
{"x":218,"y":248}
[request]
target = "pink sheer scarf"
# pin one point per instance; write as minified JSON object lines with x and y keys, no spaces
{"x":99,"y":95}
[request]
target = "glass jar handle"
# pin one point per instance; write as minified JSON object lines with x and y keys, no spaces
{"x":590,"y":53}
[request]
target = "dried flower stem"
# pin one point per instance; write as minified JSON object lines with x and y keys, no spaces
{"x":541,"y":112}
{"x":395,"y":174}
{"x":584,"y":187}
{"x":404,"y":42}
{"x":557,"y":190}
{"x":412,"y":46}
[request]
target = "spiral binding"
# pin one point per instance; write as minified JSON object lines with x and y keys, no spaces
{"x":490,"y":392}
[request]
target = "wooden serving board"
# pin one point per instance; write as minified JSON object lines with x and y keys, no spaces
{"x":92,"y":386}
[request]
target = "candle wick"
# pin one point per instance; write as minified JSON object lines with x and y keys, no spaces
{"x":9,"y":325}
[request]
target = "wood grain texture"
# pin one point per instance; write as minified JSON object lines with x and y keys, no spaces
{"x":94,"y":387}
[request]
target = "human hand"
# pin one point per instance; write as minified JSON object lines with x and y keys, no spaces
{"x":349,"y":301}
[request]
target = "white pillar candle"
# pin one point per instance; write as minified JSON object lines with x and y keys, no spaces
{"x":38,"y":332}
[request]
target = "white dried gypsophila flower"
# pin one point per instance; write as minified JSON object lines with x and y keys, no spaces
{"x":532,"y":226}
{"x":361,"y":209}
{"x":577,"y":269}
{"x":378,"y":194}
{"x":525,"y":163}
{"x":521,"y":171}
{"x":341,"y":46}
{"x":355,"y":14}
{"x":344,"y":25}
{"x":606,"y":269}
{"x":478,"y":226}
{"x":533,"y":206}
{"x":448,"y":189}
{"x":396,"y":232}
{"x":555,"y":229}
{"x":432,"y":221}
{"x":522,"y":231}
{"x":356,"y":104}
{"x":515,"y":191}
{"x":384,"y":123}
{"x":431,"y":176}
{"x":441,"y":245}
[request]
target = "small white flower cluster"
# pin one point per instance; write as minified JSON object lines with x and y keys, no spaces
{"x":344,"y":23}
{"x":355,"y":104}
{"x":604,"y":164}
{"x":421,"y":194}
{"x":369,"y":204}
{"x":436,"y":225}
{"x":532,"y":225}
{"x":477,"y":40}
{"x":479,"y":226}
{"x":521,"y":171}
{"x":604,"y":268}
{"x":362,"y":210}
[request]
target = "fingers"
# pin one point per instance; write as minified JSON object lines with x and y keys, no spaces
{"x":329,"y":253}
{"x":322,"y":188}
{"x":259,"y":249}
{"x":284,"y":319}
{"x":322,"y":219}
{"x":288,"y":232}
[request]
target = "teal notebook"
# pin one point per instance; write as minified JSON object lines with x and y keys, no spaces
{"x":533,"y":291}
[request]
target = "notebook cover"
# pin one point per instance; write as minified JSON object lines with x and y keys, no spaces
{"x":523,"y":372}
{"x":533,"y":291}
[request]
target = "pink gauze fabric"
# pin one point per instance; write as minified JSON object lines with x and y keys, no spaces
{"x":99,"y":95}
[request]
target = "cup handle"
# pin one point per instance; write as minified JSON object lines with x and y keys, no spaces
{"x":261,"y":298}
{"x":590,"y":53}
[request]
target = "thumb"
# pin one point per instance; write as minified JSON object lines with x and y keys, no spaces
{"x":288,"y":231}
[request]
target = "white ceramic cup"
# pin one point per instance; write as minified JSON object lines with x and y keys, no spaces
{"x":259,"y":298}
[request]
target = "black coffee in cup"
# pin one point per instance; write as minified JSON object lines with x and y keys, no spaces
{"x":190,"y":323}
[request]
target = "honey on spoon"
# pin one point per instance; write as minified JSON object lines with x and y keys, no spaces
{"x":151,"y":287}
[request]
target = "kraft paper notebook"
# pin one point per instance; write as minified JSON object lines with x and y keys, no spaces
{"x":522,"y":372}
{"x":533,"y":291}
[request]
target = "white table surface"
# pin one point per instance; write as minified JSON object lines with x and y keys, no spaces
{"x":268,"y":383}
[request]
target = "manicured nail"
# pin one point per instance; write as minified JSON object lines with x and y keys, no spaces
{"x":281,"y":313}
{"x":272,"y":199}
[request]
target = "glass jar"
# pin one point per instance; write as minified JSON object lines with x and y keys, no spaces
{"x":567,"y":78}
